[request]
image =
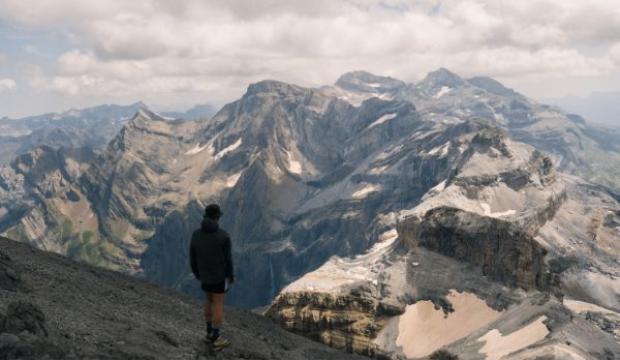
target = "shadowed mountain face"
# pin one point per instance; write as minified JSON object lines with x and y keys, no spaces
{"x":306,"y":174}
{"x":54,"y":308}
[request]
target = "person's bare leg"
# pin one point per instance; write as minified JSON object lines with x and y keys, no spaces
{"x":207,"y":309}
{"x":208,"y":313}
{"x":217,"y":310}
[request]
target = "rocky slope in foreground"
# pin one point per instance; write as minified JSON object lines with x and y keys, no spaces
{"x":54,"y":308}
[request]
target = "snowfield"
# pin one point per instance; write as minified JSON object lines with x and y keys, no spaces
{"x":229,"y":149}
{"x":443,"y":91}
{"x":294,"y":166}
{"x":365,"y":191}
{"x":382,"y":119}
{"x":196,"y":149}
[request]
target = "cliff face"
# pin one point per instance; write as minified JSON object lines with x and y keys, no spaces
{"x":503,"y":250}
{"x":345,"y":322}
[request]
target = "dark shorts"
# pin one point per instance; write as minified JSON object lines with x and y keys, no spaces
{"x":219,"y":288}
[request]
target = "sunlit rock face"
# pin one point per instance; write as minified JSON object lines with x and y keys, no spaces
{"x":371,"y":191}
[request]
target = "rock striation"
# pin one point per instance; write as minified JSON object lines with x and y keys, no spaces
{"x":346,"y":322}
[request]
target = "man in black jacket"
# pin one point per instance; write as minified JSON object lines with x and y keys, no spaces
{"x":211,"y":261}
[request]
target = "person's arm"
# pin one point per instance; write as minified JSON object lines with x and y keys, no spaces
{"x":192,"y":259}
{"x":230,"y":275}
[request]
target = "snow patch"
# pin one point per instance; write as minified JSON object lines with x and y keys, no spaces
{"x":338,"y":272}
{"x":504,"y":213}
{"x":294,"y":166}
{"x":497,"y":345}
{"x":163,"y":117}
{"x":486,"y":209}
{"x":443,"y":91}
{"x":439,"y":187}
{"x":382,"y":119}
{"x":388,"y":235}
{"x":196,"y":149}
{"x":577,"y":306}
{"x":443,"y":150}
{"x":232,"y":180}
{"x":363,"y":192}
{"x":385,"y":96}
{"x":228,"y":149}
{"x":378,"y":170}
{"x":388,"y":153}
{"x":350,"y":214}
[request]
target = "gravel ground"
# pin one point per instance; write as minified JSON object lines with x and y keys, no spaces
{"x":54,"y":308}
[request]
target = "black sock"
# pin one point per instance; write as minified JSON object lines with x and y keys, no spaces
{"x":216,"y":333}
{"x":209,"y":327}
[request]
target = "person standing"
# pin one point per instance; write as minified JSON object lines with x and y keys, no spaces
{"x":211,"y":262}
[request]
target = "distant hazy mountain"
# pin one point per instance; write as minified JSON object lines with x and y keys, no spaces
{"x":194,"y":113}
{"x":392,"y":192}
{"x":600,"y":107}
{"x":92,"y":127}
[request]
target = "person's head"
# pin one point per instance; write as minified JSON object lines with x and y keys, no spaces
{"x":213,"y":212}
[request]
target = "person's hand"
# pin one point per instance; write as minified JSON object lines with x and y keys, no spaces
{"x":231,"y":280}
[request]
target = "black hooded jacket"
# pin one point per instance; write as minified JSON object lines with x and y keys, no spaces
{"x":210,"y":253}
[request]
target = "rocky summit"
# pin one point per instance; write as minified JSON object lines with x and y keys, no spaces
{"x":54,"y":308}
{"x":377,"y":216}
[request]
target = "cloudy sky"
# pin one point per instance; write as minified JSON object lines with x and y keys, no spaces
{"x":58,"y":54}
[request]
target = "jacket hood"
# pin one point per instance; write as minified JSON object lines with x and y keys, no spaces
{"x":209,"y":225}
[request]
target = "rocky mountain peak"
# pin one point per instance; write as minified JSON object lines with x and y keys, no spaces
{"x":367,"y":82}
{"x":146,"y":114}
{"x":34,"y":157}
{"x":491,"y":85}
{"x":273,"y":87}
{"x":440,"y":78}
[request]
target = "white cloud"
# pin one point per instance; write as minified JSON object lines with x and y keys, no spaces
{"x":7,"y":85}
{"x":614,"y":52}
{"x":169,"y":47}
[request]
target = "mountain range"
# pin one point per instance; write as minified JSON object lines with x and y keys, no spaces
{"x":358,"y":208}
{"x":600,"y":107}
{"x":91,"y":127}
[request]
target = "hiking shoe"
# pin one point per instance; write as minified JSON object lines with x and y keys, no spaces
{"x":221,"y":343}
